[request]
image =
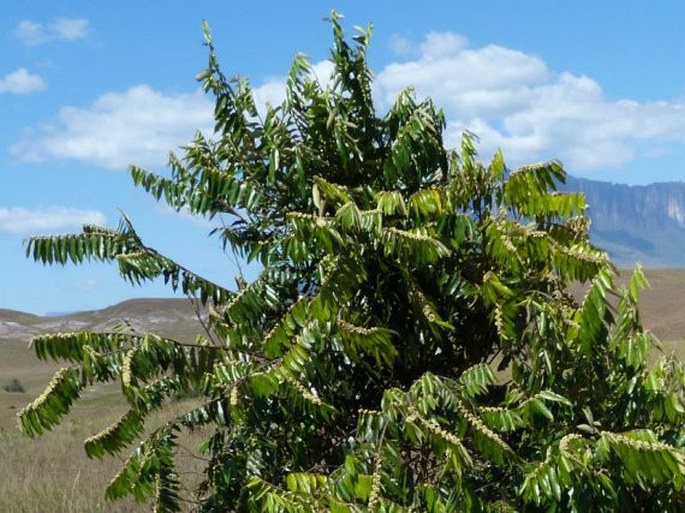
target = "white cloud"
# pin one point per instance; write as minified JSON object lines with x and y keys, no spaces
{"x":400,"y":45}
{"x":493,"y":78}
{"x":21,"y":82}
{"x":138,"y":126}
{"x":442,"y":44}
{"x":32,"y":33}
{"x":70,"y":29}
{"x":511,"y":100}
{"x":272,"y":93}
{"x":22,"y":220}
{"x":322,"y":71}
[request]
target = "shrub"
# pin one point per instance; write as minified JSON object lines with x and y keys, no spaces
{"x":14,"y":386}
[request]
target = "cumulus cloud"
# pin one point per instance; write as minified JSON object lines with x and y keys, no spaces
{"x":23,"y":220}
{"x":21,"y":81}
{"x":138,"y":126}
{"x":511,"y":100}
{"x":32,"y":33}
{"x":508,"y":98}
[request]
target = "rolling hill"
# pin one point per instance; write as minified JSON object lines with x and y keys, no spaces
{"x":176,"y":318}
{"x":662,"y":304}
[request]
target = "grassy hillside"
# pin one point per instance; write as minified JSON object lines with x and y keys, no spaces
{"x":53,"y":473}
{"x":175,"y":318}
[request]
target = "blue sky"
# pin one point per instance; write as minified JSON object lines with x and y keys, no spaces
{"x":87,"y":88}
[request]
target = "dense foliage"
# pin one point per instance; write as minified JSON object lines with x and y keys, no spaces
{"x":411,"y":344}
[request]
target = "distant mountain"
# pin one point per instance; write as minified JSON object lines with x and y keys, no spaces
{"x":175,"y":318}
{"x":643,"y":224}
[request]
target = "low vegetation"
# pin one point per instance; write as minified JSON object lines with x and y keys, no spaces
{"x":54,"y":473}
{"x":14,"y":386}
{"x":356,"y":373}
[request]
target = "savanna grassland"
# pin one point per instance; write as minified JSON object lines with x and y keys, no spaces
{"x":53,"y":473}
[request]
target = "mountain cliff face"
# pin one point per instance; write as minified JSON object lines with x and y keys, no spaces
{"x":634,"y":224}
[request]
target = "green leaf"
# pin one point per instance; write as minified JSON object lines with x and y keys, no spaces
{"x":46,"y":410}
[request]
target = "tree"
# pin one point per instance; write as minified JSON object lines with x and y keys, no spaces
{"x":358,"y":372}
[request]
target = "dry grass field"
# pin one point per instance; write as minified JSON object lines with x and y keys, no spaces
{"x":53,"y":474}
